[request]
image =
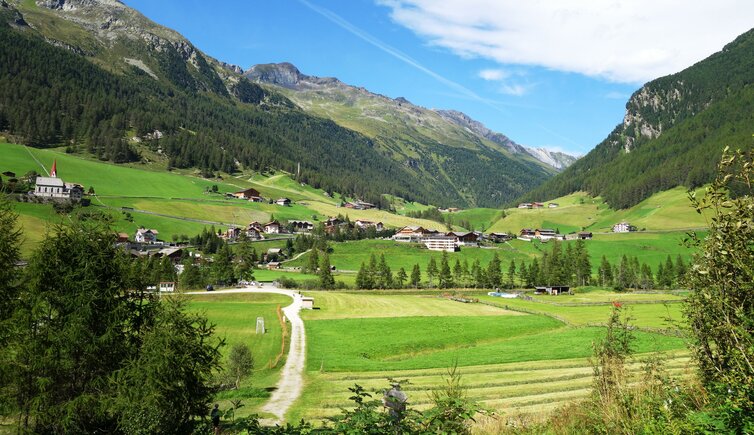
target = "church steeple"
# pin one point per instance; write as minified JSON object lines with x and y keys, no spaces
{"x":54,"y":170}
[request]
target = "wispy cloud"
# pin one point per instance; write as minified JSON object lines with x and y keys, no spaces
{"x":340,"y":21}
{"x":629,"y":41}
{"x":493,"y":74}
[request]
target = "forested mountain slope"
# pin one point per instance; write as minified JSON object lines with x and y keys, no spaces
{"x":99,"y":77}
{"x":485,"y":167}
{"x":673,"y":133}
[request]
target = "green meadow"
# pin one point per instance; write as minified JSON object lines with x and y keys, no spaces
{"x":235,"y":318}
{"x":512,"y":362}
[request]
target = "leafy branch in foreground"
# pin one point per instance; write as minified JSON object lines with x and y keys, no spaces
{"x":720,"y":310}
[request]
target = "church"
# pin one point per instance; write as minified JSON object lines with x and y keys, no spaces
{"x":54,"y":187}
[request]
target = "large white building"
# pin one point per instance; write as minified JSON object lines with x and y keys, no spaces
{"x":441,"y":243}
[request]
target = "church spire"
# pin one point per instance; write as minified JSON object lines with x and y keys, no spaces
{"x":54,"y":170}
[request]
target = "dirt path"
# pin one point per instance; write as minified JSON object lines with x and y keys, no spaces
{"x":291,"y":381}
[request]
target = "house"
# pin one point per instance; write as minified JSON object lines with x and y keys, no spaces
{"x":232,"y":233}
{"x":410,"y":234}
{"x":144,"y":235}
{"x":527,"y":233}
{"x":440,"y":243}
{"x":584,"y":235}
{"x":301,"y":226}
{"x":54,"y":187}
{"x":453,"y":209}
{"x":254,"y":234}
{"x":366,"y":224}
{"x":273,"y":265}
{"x":553,"y":290}
{"x":274,"y":254}
{"x":256,"y":226}
{"x":249,"y":194}
{"x":283,"y":202}
{"x":272,"y":227}
{"x":623,"y":227}
{"x":546,"y":234}
{"x":537,"y":205}
{"x":174,"y":254}
{"x":498,"y":237}
{"x":525,"y":205}
{"x":553,"y":205}
{"x":359,"y":205}
{"x":464,"y":239}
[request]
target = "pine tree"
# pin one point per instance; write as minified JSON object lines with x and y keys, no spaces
{"x":385,"y":275}
{"x":445,"y":278}
{"x":605,"y":272}
{"x":362,"y":278}
{"x":313,"y":264}
{"x":494,"y":277}
{"x":416,"y":276}
{"x":222,"y":267}
{"x":401,"y":277}
{"x":458,"y":273}
{"x":326,"y":280}
{"x":680,"y":271}
{"x":431,"y":270}
{"x":511,"y":274}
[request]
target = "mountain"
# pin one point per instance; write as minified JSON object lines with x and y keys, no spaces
{"x":673,"y":133}
{"x":486,"y":168}
{"x":556,"y":159}
{"x":100,"y":78}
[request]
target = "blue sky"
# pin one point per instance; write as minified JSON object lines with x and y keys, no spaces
{"x":548,"y":73}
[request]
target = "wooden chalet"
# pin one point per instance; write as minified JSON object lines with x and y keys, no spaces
{"x":250,"y":194}
{"x":272,"y":227}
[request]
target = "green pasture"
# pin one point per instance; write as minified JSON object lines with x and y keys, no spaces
{"x":480,"y":218}
{"x":266,"y":275}
{"x":337,"y":305}
{"x":596,"y":295}
{"x":235,"y":317}
{"x":650,"y":248}
{"x":668,"y":210}
{"x":431,"y":342}
{"x":649,"y":315}
{"x":106,"y":178}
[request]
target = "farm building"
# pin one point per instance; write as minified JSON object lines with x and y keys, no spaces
{"x":250,"y":194}
{"x":359,"y":205}
{"x":546,"y":234}
{"x":174,"y":254}
{"x":499,"y":237}
{"x":553,"y":205}
{"x":527,"y":233}
{"x":537,"y":205}
{"x":553,"y":290}
{"x":301,"y":226}
{"x":283,"y":202}
{"x":121,"y":238}
{"x":525,"y":205}
{"x":307,"y":302}
{"x":623,"y":227}
{"x":440,"y":243}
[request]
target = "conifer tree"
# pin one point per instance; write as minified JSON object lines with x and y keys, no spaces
{"x":326,"y":280}
{"x":431,"y":270}
{"x":494,"y":277}
{"x":401,"y":277}
{"x":416,"y":276}
{"x":445,"y":278}
{"x":511,"y":274}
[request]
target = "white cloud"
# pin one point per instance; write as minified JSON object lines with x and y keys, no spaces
{"x":517,"y":90}
{"x":628,"y":41}
{"x":493,"y":74}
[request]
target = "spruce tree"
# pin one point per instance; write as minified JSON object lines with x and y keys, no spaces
{"x":326,"y":280}
{"x":511,"y":274}
{"x":494,"y":277}
{"x":401,"y":277}
{"x":416,"y":276}
{"x":445,"y":278}
{"x":431,"y":270}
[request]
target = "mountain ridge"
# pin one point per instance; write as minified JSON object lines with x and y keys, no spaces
{"x":672,"y":134}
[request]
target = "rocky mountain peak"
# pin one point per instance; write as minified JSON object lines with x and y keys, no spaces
{"x":286,"y":74}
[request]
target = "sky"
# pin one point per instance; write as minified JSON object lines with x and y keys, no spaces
{"x":547,"y":73}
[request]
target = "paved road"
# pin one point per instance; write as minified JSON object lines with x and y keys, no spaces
{"x":291,"y":381}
